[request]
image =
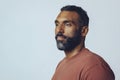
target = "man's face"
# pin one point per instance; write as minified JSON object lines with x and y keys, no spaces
{"x":67,"y":30}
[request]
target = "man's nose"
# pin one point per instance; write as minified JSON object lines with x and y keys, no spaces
{"x":60,"y":29}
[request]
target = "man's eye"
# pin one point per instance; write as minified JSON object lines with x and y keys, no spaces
{"x":68,"y":24}
{"x":56,"y":24}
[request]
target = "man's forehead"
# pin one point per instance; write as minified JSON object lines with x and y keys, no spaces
{"x":67,"y":16}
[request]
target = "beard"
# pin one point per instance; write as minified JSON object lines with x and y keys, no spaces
{"x":69,"y":43}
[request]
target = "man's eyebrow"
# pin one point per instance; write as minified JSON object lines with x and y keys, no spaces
{"x":68,"y":21}
{"x":56,"y":21}
{"x":65,"y":21}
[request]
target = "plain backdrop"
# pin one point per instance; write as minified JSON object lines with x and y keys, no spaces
{"x":27,"y":44}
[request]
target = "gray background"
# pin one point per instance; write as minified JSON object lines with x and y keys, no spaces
{"x":27,"y":45}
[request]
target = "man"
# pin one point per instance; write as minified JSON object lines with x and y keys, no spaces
{"x":79,"y":62}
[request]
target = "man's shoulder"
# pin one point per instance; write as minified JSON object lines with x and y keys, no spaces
{"x":89,"y":58}
{"x":95,"y":65}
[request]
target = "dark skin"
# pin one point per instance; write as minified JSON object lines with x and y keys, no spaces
{"x":67,"y":22}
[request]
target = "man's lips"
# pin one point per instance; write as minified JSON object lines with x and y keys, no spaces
{"x":60,"y":38}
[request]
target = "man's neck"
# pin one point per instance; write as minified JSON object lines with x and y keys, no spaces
{"x":75,"y":51}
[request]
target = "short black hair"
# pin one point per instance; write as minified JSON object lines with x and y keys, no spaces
{"x":84,"y":19}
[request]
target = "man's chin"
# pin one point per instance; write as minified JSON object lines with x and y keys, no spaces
{"x":61,"y":49}
{"x":60,"y":46}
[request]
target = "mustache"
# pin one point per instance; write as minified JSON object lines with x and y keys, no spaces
{"x":61,"y":35}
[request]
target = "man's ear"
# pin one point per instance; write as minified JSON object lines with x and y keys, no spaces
{"x":84,"y":31}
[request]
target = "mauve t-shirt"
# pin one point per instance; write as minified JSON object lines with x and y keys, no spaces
{"x":86,"y":65}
